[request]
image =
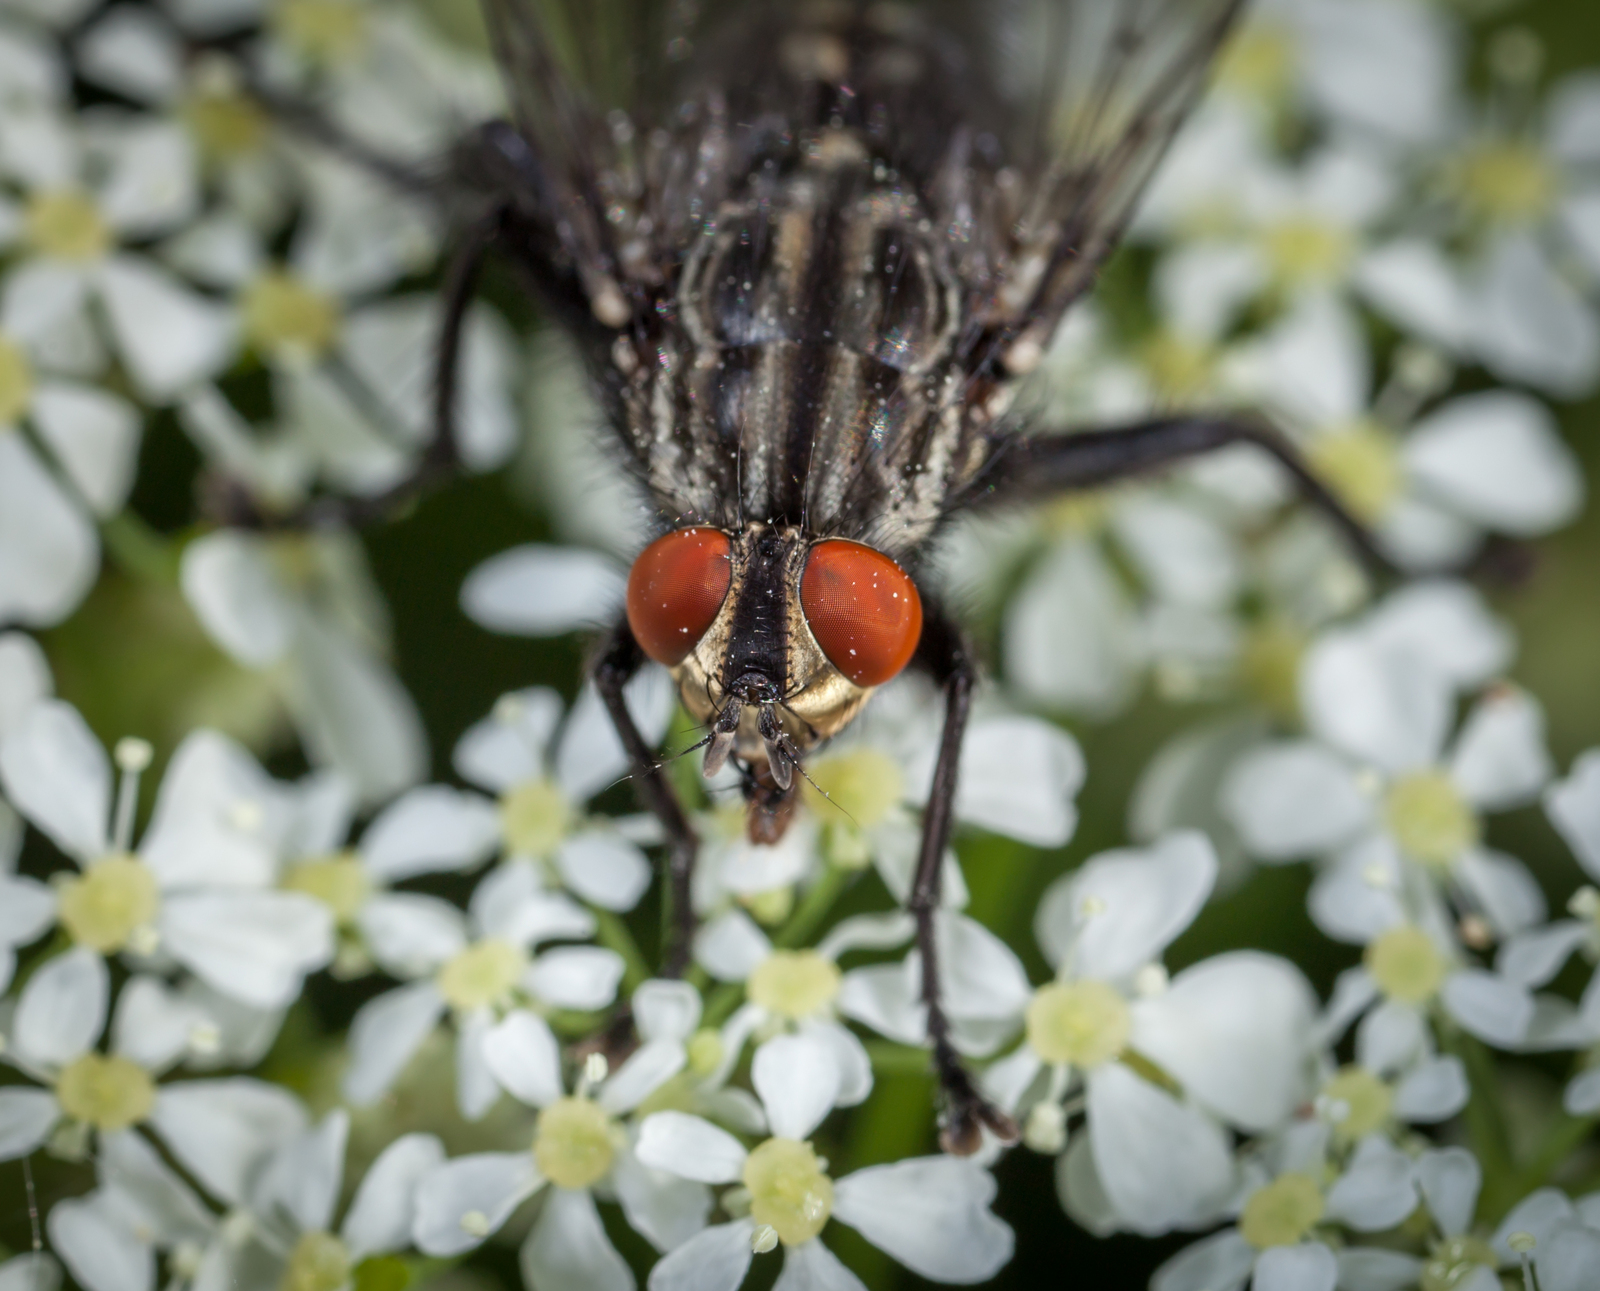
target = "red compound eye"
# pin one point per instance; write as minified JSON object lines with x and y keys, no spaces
{"x":675,"y":589}
{"x":862,"y":608}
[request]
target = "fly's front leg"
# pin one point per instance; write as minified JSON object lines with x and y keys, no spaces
{"x":1039,"y":466}
{"x":945,"y":655}
{"x":619,"y":660}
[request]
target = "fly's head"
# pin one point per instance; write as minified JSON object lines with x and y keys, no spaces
{"x":775,"y":640}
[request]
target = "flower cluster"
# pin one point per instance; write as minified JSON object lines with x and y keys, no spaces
{"x":289,"y":999}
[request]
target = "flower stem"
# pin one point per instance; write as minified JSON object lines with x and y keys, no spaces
{"x":813,"y":907}
{"x":613,"y":934}
{"x":1490,"y":1140}
{"x":897,"y":1059}
{"x":140,"y":550}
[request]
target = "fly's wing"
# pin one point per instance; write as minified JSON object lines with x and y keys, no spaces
{"x":1096,"y":89}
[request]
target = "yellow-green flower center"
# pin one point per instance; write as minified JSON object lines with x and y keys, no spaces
{"x":794,"y":984}
{"x":66,"y":223}
{"x":574,"y":1143}
{"x":706,"y":1051}
{"x":486,"y":972}
{"x":1361,"y":464}
{"x":1455,"y":1260}
{"x":1429,"y":819}
{"x":106,"y":1091}
{"x":788,"y":1189}
{"x":1308,"y":252}
{"x":1082,"y":1024}
{"x":1357,"y":1103}
{"x":325,"y":31}
{"x":340,"y":882}
{"x":535,"y":817}
{"x":1078,"y":513}
{"x":319,"y":1262}
{"x":1180,"y":368}
{"x":866,"y":784}
{"x":225,"y":123}
{"x":114,"y":899}
{"x":281,"y":313}
{"x":1507,"y":182}
{"x":1406,"y":965}
{"x":1270,"y":663}
{"x":1281,"y":1213}
{"x":1259,"y":62}
{"x":16,"y":382}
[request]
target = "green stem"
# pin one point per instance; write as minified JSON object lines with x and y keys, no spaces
{"x":897,"y":1059}
{"x":140,"y":550}
{"x":613,"y":934}
{"x":1560,"y":1141}
{"x":1490,"y":1140}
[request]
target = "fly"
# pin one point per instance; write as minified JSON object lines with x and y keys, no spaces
{"x":807,"y":251}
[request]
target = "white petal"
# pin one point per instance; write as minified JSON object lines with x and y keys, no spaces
{"x":257,"y":946}
{"x":134,"y":53}
{"x":690,"y":1147}
{"x":410,"y":934}
{"x":1412,"y":283}
{"x":1355,"y":899}
{"x":24,"y":677}
{"x":590,"y":756}
{"x":154,"y":1025}
{"x":221,"y":1130}
{"x":867,"y":932}
{"x":931,"y":1213}
{"x":1573,"y":806}
{"x":1572,"y":116}
{"x":1307,"y":1267}
{"x":30,"y":1273}
{"x":715,"y":1259}
{"x":510,"y":904}
{"x":1500,"y":759}
{"x":1371,"y":1269}
{"x":230,"y":584}
{"x":508,"y":748}
{"x":811,"y":1266}
{"x":980,"y":976}
{"x":1582,"y":1094}
{"x":1293,"y":799}
{"x":1498,"y":459}
{"x":1531,"y":326}
{"x":379,"y":1219}
{"x":476,"y":1088}
{"x":797,"y":1081}
{"x":1378,"y":1188}
{"x":887,"y":998}
{"x":849,"y":1056}
{"x":429,"y":829}
{"x":1387,"y":706}
{"x":1568,"y":1259}
{"x":101,"y":1253}
{"x":1018,"y":777}
{"x":57,"y":775}
{"x":150,"y":184}
{"x":1008,"y":1079}
{"x":1235,"y":1031}
{"x":1163,"y":1164}
{"x":1450,"y":1179}
{"x":487,"y":1186}
{"x":1122,"y":909}
{"x":1579,"y":215}
{"x":666,"y":1009}
{"x":539,"y":591}
{"x":168,"y":335}
{"x":576,"y":977}
{"x":569,"y":1249}
{"x":525,"y":1058}
{"x":1391,"y":1037}
{"x":63,"y":1008}
{"x":1535,"y":956}
{"x":646,"y":1069}
{"x":1503,"y":888}
{"x":303,"y":1177}
{"x":604,"y":869}
{"x":1489,"y":1006}
{"x":1538,"y":1213}
{"x":1448,"y":624}
{"x":27,"y":908}
{"x":1220,"y":1262}
{"x":94,"y":437}
{"x":218,"y":818}
{"x":26,"y":1119}
{"x":384,"y":1034}
{"x":1080,"y":1192}
{"x":729,"y":947}
{"x":354,"y":714}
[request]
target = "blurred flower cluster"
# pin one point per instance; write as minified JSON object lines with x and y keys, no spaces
{"x":1382,"y":228}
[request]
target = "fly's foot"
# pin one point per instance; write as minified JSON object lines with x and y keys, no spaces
{"x":966,"y":1112}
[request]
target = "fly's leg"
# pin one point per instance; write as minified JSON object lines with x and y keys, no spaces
{"x":619,"y":659}
{"x":1039,"y":466}
{"x":945,"y":655}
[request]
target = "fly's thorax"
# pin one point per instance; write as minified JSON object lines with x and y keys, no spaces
{"x":760,"y":648}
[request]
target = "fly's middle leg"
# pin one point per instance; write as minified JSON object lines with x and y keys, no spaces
{"x":944,"y":653}
{"x":619,"y":659}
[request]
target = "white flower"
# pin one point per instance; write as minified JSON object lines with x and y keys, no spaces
{"x":930,"y":1213}
{"x":474,"y":968}
{"x":580,"y":1147}
{"x":218,"y":1129}
{"x":1378,"y":792}
{"x":196,"y":890}
{"x":543,"y":781}
{"x":800,"y":990}
{"x":30,"y":1273}
{"x":537,"y":591}
{"x":125,"y":180}
{"x":303,"y":606}
{"x":1490,"y":462}
{"x":1233,"y":1033}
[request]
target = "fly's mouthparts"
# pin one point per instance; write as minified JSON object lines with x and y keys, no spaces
{"x":781,"y":757}
{"x":721,"y":743}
